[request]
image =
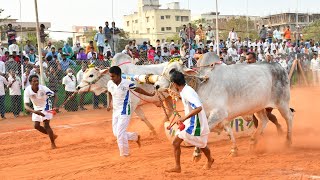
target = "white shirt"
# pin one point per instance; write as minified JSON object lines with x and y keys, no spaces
{"x":40,"y":100}
{"x":3,"y":81}
{"x":2,"y":51}
{"x":165,"y":53}
{"x":15,"y":88}
{"x":70,"y":83}
{"x":13,"y":47}
{"x":196,"y":125}
{"x":44,"y":64}
{"x":25,"y":78}
{"x":210,"y":35}
{"x":79,"y":76}
{"x":232,"y":35}
{"x":315,"y":64}
{"x":89,"y":55}
{"x":2,"y":67}
{"x":121,"y":96}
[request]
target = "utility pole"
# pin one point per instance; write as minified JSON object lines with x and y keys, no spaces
{"x":217,"y":30}
{"x":38,"y":41}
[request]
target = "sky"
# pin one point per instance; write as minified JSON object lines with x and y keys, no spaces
{"x":63,"y":14}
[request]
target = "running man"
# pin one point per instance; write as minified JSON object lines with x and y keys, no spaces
{"x":39,"y":96}
{"x":196,"y":129}
{"x":119,"y":89}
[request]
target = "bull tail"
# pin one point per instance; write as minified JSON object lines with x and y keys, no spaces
{"x":292,"y":110}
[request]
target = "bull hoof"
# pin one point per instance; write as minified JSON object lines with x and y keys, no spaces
{"x":234,"y":152}
{"x":196,"y":159}
{"x":253,"y":144}
{"x":288,"y":143}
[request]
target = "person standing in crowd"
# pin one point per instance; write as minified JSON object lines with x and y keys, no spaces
{"x":209,"y":35}
{"x":99,"y":38}
{"x":48,"y":47}
{"x":233,"y":37}
{"x":82,"y":55}
{"x":287,"y":33}
{"x":54,"y":82}
{"x":15,"y":93}
{"x":119,"y":91}
{"x":69,"y":82}
{"x":269,"y":34}
{"x":79,"y":79}
{"x":183,"y":33}
{"x":200,"y":33}
{"x":39,"y":96}
{"x":76,"y":49}
{"x":115,"y":34}
{"x":28,"y":47}
{"x":11,"y":34}
{"x":89,"y":47}
{"x":195,"y":132}
{"x":315,"y":68}
{"x":66,"y":63}
{"x":277,"y":34}
{"x":3,"y":50}
{"x":13,"y":47}
{"x":190,"y":33}
{"x":2,"y":68}
{"x":3,"y":83}
{"x":263,"y":34}
{"x":107,"y":32}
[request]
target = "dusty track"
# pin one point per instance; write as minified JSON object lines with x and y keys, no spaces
{"x":87,"y":149}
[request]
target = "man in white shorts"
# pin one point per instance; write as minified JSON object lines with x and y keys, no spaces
{"x":196,"y":129}
{"x":39,"y":96}
{"x":120,"y":90}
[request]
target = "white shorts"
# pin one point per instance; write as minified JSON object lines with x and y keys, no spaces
{"x":197,"y":141}
{"x":38,"y":118}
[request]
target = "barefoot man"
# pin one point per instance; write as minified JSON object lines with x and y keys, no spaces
{"x":119,"y":89}
{"x":39,"y":96}
{"x":196,"y":129}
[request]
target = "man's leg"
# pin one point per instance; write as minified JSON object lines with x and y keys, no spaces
{"x":50,"y":133}
{"x":14,"y":105}
{"x":95,"y":101}
{"x":81,"y":101}
{"x":104,"y":99}
{"x":39,"y":128}
{"x":177,"y":152}
{"x":210,"y":161}
{"x":2,"y":107}
{"x":123,"y":136}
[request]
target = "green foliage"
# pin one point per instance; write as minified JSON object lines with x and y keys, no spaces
{"x":70,"y":41}
{"x":174,"y":37}
{"x":312,"y":31}
{"x":240,"y":26}
{"x":90,"y":35}
{"x":58,"y":44}
{"x":32,"y":37}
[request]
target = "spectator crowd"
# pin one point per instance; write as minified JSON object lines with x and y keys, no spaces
{"x":64,"y":66}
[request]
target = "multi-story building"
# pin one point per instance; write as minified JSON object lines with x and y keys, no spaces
{"x":152,"y":23}
{"x":81,"y":33}
{"x":283,"y":20}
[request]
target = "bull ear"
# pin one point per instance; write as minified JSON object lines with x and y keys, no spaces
{"x":104,"y":71}
{"x":189,"y":72}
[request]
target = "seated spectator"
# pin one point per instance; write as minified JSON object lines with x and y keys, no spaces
{"x":66,"y":63}
{"x":52,"y":52}
{"x":32,"y":57}
{"x":90,"y":54}
{"x":16,"y":57}
{"x":89,"y":47}
{"x":151,"y":53}
{"x":81,"y":55}
{"x":158,"y":58}
{"x":106,"y":48}
{"x":5,"y":57}
{"x":198,"y":54}
{"x":67,"y":50}
{"x":165,"y":52}
{"x":175,"y":51}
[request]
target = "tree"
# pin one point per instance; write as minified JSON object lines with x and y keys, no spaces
{"x":58,"y":44}
{"x":70,"y":41}
{"x":312,"y":31}
{"x":32,"y":37}
{"x":174,"y":37}
{"x":90,"y":35}
{"x":240,"y":27}
{"x":3,"y":27}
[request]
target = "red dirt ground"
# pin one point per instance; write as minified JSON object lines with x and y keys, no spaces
{"x":87,"y":149}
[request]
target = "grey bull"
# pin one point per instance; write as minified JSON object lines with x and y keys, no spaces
{"x":240,"y":89}
{"x":95,"y":80}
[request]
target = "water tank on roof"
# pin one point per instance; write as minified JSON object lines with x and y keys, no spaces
{"x":173,"y":5}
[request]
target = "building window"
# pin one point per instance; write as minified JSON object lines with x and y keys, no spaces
{"x":178,"y":18}
{"x":137,"y":32}
{"x":177,"y":29}
{"x":147,"y":18}
{"x":168,"y":28}
{"x":184,"y":18}
{"x":148,"y":30}
{"x":162,"y":17}
{"x":136,"y":21}
{"x":162,"y":29}
{"x":128,"y":23}
{"x":167,"y":16}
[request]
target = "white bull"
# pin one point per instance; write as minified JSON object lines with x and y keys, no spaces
{"x":240,"y":89}
{"x":96,"y":80}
